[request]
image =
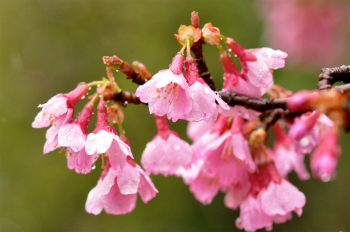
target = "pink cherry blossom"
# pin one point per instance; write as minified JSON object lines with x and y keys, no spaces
{"x":280,"y":197}
{"x":286,"y":155}
{"x":116,"y":190}
{"x":59,"y":105}
{"x":80,"y":161}
{"x":323,"y":161}
{"x":252,"y":217}
{"x":204,"y":106}
{"x":166,"y":152}
{"x":233,"y":143}
{"x":199,"y":147}
{"x":266,"y":59}
{"x":52,"y":133}
{"x":236,"y":82}
{"x":257,"y":63}
{"x":104,"y":140}
{"x":195,"y":130}
{"x":167,"y":92}
{"x":236,"y":194}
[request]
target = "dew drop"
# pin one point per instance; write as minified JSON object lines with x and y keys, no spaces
{"x":83,"y":97}
{"x":93,"y":167}
{"x":177,"y":147}
{"x":91,"y":137}
{"x":69,"y":138}
{"x":206,"y":90}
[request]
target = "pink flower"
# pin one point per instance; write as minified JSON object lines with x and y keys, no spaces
{"x":236,"y":82}
{"x":309,"y":129}
{"x":266,"y":59}
{"x":281,"y":197}
{"x":252,"y":217}
{"x":80,"y":161}
{"x":236,"y":194}
{"x":271,"y":198}
{"x":233,"y":143}
{"x":204,"y":106}
{"x":58,"y":111}
{"x":52,"y":133}
{"x":200,"y":146}
{"x":324,"y":159}
{"x":104,"y":140}
{"x":286,"y":155}
{"x":195,"y":130}
{"x":303,"y":125}
{"x":59,"y":105}
{"x":211,"y":34}
{"x":311,"y":32}
{"x":116,"y":190}
{"x":257,"y":63}
{"x":167,"y":92}
{"x":73,"y":136}
{"x":166,"y":152}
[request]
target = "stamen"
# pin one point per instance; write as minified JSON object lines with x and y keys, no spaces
{"x":103,"y":161}
{"x":158,"y":90}
{"x":158,"y":96}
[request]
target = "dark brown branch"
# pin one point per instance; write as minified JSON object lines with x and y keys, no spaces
{"x":260,"y":105}
{"x":201,"y":65}
{"x":125,"y":97}
{"x":329,"y":76}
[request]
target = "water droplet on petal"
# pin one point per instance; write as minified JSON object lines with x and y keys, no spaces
{"x":69,"y":138}
{"x":91,"y":137}
{"x":177,"y":147}
{"x":83,"y":97}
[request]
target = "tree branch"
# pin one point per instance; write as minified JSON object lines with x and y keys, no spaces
{"x":329,"y":76}
{"x":201,"y":65}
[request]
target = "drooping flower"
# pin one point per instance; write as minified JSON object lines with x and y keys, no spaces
{"x":57,"y":112}
{"x":116,"y":190}
{"x":280,"y":196}
{"x":204,"y":106}
{"x":236,"y":82}
{"x":105,"y":141}
{"x":271,"y":199}
{"x":286,"y":155}
{"x":73,"y":136}
{"x":212,"y":134}
{"x":257,"y":63}
{"x":196,"y":130}
{"x":233,"y":143}
{"x":59,"y":105}
{"x":167,"y":92}
{"x":324,"y":159}
{"x":166,"y":153}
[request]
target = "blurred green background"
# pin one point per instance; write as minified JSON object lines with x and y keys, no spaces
{"x":48,"y":47}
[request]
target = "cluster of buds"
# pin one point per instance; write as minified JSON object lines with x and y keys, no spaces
{"x":230,"y":150}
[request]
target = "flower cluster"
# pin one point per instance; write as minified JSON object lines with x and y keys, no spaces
{"x":230,"y":151}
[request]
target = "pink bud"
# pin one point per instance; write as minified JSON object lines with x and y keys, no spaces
{"x":325,"y":157}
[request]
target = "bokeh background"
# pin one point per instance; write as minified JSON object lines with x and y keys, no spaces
{"x":49,"y":46}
